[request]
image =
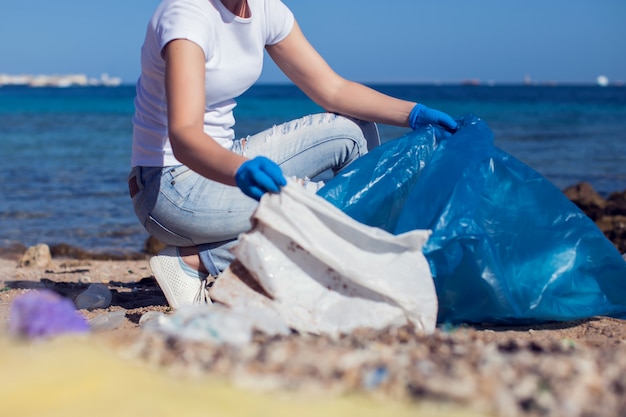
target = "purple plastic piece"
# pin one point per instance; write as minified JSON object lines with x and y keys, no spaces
{"x":43,"y":313}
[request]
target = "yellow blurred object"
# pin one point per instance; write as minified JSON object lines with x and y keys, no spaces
{"x":76,"y":376}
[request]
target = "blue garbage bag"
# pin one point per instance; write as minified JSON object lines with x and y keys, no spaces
{"x":507,"y":246}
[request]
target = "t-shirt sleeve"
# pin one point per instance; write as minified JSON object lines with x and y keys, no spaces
{"x":184,"y":20}
{"x":280,"y":21}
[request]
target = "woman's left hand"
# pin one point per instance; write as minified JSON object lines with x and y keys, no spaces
{"x":422,"y":116}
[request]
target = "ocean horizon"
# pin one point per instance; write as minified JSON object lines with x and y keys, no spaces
{"x":67,"y":150}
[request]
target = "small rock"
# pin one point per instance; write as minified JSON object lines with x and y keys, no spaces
{"x":587,"y":199}
{"x":36,"y":256}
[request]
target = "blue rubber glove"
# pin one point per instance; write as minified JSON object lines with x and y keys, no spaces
{"x":257,"y":176}
{"x":422,"y":116}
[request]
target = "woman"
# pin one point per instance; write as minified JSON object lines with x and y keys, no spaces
{"x":193,"y":185}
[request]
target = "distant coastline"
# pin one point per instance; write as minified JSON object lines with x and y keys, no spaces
{"x":56,"y":80}
{"x":82,"y":80}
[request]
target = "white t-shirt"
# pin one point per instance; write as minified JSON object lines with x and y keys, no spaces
{"x":233,"y":49}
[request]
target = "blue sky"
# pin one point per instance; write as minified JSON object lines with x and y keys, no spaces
{"x":402,"y":41}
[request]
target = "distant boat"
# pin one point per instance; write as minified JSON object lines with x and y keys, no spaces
{"x":471,"y":81}
{"x":602,"y":81}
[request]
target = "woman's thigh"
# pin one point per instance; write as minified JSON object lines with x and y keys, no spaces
{"x":310,"y":145}
{"x":182,"y":208}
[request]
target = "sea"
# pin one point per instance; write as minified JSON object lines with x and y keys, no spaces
{"x":66,"y":151}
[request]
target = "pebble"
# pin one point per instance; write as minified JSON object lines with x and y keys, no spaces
{"x":37,"y":256}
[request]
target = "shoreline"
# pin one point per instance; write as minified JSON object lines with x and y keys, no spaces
{"x":607,"y":212}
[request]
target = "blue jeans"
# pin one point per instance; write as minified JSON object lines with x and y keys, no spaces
{"x":181,"y":208}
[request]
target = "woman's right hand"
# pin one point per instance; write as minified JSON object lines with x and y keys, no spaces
{"x":257,"y":176}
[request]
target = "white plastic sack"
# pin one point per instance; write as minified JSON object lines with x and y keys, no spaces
{"x":323,"y":272}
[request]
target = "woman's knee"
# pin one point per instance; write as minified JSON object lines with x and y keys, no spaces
{"x":361,"y":132}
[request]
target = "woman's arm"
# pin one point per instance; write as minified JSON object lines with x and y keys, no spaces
{"x":297,"y":58}
{"x":184,"y":86}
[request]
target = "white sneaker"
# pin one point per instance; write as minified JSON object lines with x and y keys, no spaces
{"x":179,"y":288}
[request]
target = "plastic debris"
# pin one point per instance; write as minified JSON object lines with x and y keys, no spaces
{"x":374,"y":378}
{"x":43,"y":314}
{"x":150,"y":318}
{"x":108,"y":321}
{"x":216,"y":324}
{"x":95,"y":296}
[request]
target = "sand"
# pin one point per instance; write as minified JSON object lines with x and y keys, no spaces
{"x":558,"y":369}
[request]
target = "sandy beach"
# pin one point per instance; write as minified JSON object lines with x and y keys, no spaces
{"x":568,"y":369}
{"x":558,"y":369}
